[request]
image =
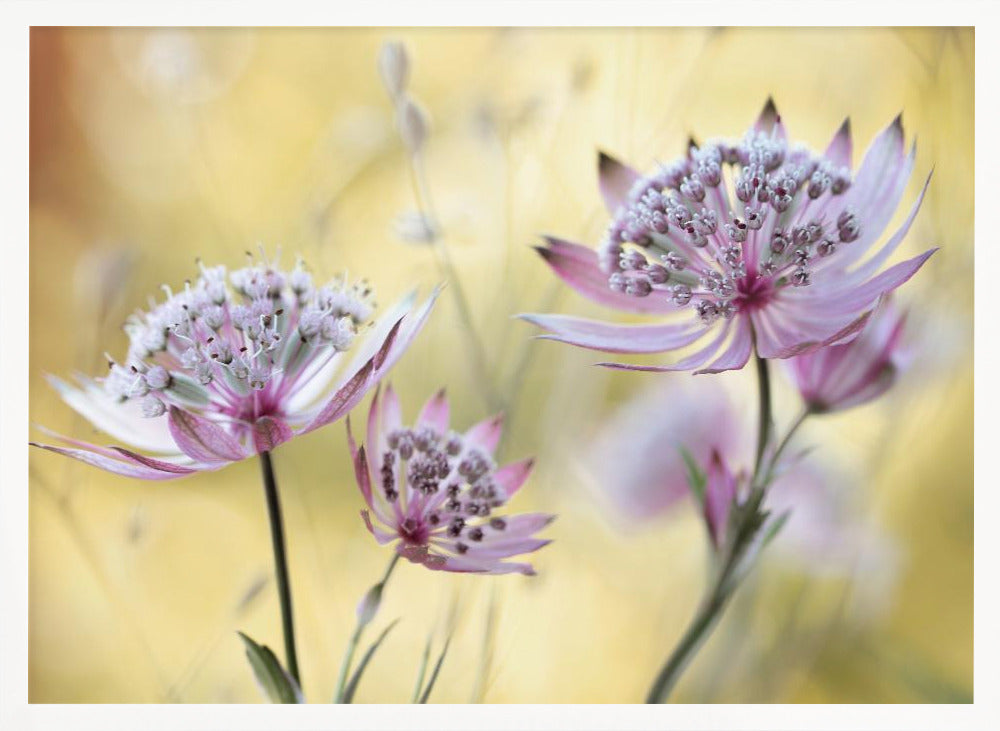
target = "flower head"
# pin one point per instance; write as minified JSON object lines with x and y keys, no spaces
{"x":650,"y":478}
{"x":636,"y":460}
{"x":436,"y":491}
{"x":839,"y":377}
{"x":235,"y":364}
{"x":754,"y":244}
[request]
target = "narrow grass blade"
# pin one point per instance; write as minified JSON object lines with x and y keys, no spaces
{"x":352,"y":684}
{"x":437,"y":669}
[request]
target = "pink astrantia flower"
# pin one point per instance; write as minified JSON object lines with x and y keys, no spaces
{"x":636,"y":459}
{"x":435,"y":491}
{"x":636,"y":462}
{"x":839,"y":377}
{"x":753,"y":244}
{"x":234,"y":365}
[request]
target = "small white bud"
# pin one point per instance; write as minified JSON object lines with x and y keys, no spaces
{"x":368,"y":606}
{"x":413,"y":125}
{"x":394,"y":67}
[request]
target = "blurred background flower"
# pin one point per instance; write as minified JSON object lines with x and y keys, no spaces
{"x":165,"y":144}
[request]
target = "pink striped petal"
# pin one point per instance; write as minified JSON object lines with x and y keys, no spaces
{"x":486,"y":434}
{"x":525,"y":524}
{"x":615,"y":180}
{"x":865,"y":296}
{"x":580,"y":268}
{"x":392,"y":413}
{"x":126,"y":468}
{"x":464,"y":565}
{"x":345,"y":399}
{"x":269,"y":432}
{"x":613,"y":338}
{"x":839,"y":150}
{"x":361,"y":473}
{"x":381,"y":536}
{"x":738,"y":352}
{"x":493,"y":549}
{"x":158,"y":464}
{"x":878,"y":186}
{"x":375,"y":445}
{"x":435,"y":413}
{"x":510,"y":477}
{"x":875,"y":263}
{"x":695,"y":360}
{"x":720,"y":491}
{"x":769,"y":121}
{"x":412,"y":324}
{"x":203,"y":440}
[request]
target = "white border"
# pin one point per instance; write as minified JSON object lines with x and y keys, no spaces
{"x":15,"y":19}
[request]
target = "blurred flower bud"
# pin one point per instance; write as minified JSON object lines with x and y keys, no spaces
{"x":839,"y":377}
{"x":368,"y":606}
{"x":413,"y":126}
{"x":394,"y":67}
{"x":414,"y":227}
{"x":720,"y":493}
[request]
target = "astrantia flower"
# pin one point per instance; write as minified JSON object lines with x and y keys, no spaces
{"x":755,"y":243}
{"x":838,"y":377}
{"x":636,"y":460}
{"x":232,"y":366}
{"x":436,"y":491}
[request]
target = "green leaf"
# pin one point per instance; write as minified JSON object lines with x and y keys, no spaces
{"x":352,"y":684}
{"x":775,"y":527}
{"x":423,"y":670}
{"x":437,"y":669}
{"x":275,"y":683}
{"x":696,"y":478}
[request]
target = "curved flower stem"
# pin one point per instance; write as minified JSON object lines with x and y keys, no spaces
{"x":352,"y":644}
{"x":780,"y":449}
{"x":280,"y":564}
{"x":747,"y":524}
{"x":764,"y":425}
{"x":421,"y":191}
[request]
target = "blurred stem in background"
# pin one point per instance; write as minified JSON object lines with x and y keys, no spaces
{"x":421,"y":191}
{"x":280,"y":564}
{"x":366,"y":613}
{"x":746,"y":521}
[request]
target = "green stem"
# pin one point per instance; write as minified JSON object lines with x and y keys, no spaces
{"x":421,"y":191}
{"x":280,"y":564}
{"x":780,"y":449}
{"x":721,"y":589}
{"x":764,"y":425}
{"x":352,"y":643}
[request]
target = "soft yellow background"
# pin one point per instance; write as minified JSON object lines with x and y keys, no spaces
{"x":151,"y":148}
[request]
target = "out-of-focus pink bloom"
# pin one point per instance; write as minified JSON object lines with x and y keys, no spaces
{"x":636,"y":460}
{"x":435,"y":491}
{"x":636,"y":463}
{"x":838,"y":377}
{"x":234,"y":365}
{"x":753,"y":244}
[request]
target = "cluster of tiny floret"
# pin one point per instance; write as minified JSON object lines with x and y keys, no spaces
{"x":231,"y":335}
{"x":452,"y":478}
{"x":678,"y":237}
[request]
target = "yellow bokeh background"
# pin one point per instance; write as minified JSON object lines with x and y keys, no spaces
{"x":150,"y":148}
